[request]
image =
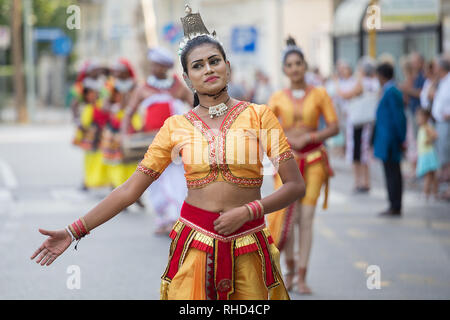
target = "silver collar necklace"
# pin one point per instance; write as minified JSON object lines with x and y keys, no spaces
{"x":217,"y":110}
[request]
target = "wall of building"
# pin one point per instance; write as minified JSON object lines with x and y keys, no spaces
{"x":310,"y":23}
{"x":115,"y":28}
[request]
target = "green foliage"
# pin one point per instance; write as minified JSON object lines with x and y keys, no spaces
{"x":5,"y":11}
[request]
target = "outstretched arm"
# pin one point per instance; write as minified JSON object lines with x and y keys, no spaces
{"x":120,"y":198}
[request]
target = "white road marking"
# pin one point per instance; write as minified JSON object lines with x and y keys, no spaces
{"x":36,"y":134}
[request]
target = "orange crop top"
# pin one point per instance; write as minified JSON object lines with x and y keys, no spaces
{"x":233,"y":153}
{"x":305,"y":112}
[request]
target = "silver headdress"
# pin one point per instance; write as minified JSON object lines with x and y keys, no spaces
{"x":194,"y":27}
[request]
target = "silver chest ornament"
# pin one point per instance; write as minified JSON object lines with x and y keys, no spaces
{"x":218,"y":110}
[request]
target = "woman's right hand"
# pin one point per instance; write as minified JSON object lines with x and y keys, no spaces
{"x":56,"y":243}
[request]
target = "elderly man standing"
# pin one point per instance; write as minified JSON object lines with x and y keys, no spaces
{"x":389,"y":137}
{"x":160,"y":97}
{"x":441,"y":114}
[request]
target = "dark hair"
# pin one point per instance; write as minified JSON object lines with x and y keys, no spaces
{"x":291,"y":51}
{"x":198,"y":41}
{"x":424,"y":112}
{"x":386,"y":70}
{"x":291,"y":47}
{"x":85,"y":93}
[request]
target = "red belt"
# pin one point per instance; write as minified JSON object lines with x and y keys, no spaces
{"x":221,"y":261}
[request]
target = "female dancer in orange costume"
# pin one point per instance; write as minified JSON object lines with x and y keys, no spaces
{"x":299,"y":109}
{"x":221,"y":248}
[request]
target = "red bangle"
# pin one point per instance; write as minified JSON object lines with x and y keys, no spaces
{"x":254,"y":210}
{"x":261,"y":208}
{"x":84,"y":225}
{"x":250,"y":211}
{"x":81,"y":226}
{"x":258,"y":209}
{"x":77,"y":231}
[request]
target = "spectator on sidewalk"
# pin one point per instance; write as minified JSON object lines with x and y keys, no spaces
{"x":430,"y":86}
{"x":343,"y":83}
{"x":389,"y":136}
{"x":441,"y":114}
{"x":427,"y":162}
{"x":363,"y":100}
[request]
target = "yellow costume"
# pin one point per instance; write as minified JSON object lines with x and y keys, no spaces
{"x":118,"y":171}
{"x":93,"y":119}
{"x":312,"y":159}
{"x":204,"y":264}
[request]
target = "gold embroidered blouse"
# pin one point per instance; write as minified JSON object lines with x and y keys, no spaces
{"x":233,"y":153}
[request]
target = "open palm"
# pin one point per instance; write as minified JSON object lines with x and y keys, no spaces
{"x":56,"y":243}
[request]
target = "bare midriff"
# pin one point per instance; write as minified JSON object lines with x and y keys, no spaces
{"x":221,"y":196}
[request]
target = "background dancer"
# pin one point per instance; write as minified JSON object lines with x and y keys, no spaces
{"x":152,"y":103}
{"x":123,"y":82}
{"x":299,"y":108}
{"x":93,"y":119}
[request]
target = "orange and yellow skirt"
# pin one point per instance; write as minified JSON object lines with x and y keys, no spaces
{"x":204,"y":265}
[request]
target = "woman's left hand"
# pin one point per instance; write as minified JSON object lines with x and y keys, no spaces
{"x":231,"y":220}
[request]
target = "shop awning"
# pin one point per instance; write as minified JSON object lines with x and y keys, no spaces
{"x":348,"y":15}
{"x":395,"y":14}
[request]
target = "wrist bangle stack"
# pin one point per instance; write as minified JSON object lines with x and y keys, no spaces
{"x":255,"y":209}
{"x":78,"y":229}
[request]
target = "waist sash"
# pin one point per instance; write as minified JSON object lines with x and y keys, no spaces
{"x":313,"y":153}
{"x":195,"y":228}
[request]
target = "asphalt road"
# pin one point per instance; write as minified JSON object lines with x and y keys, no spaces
{"x":40,"y":175}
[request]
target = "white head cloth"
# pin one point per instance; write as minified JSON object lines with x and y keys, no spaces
{"x":161,"y":55}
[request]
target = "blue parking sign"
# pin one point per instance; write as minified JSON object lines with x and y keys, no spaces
{"x":244,"y":39}
{"x":62,"y":46}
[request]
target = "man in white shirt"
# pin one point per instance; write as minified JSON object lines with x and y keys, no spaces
{"x":441,"y":113}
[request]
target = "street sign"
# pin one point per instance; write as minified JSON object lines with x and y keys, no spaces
{"x":244,"y":39}
{"x":5,"y":37}
{"x":47,"y":34}
{"x":62,"y":46}
{"x":172,"y":32}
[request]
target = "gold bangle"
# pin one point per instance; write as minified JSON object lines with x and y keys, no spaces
{"x":250,"y":212}
{"x":84,"y":224}
{"x":262,"y":208}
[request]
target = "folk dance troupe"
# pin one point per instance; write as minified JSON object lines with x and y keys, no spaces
{"x":226,"y":238}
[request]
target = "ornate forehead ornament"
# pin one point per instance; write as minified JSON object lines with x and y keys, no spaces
{"x":194,"y":27}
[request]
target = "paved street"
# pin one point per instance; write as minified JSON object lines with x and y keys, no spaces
{"x":40,"y":175}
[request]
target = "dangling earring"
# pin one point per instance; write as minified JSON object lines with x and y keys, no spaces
{"x":189,"y":83}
